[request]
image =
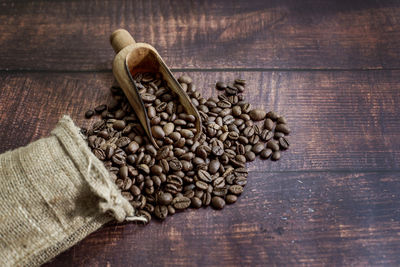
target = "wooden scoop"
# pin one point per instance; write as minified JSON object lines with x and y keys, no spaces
{"x":135,"y":58}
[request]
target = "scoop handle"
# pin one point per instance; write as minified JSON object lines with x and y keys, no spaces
{"x":121,"y":38}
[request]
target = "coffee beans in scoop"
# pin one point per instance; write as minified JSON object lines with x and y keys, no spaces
{"x":183,"y":172}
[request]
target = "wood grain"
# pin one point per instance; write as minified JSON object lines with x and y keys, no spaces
{"x":289,"y":34}
{"x":339,"y":120}
{"x":310,"y":218}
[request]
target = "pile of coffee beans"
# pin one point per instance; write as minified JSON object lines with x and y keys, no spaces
{"x":183,"y":172}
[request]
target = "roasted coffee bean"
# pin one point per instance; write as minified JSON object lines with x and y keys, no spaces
{"x":278,"y":135}
{"x":118,"y":159}
{"x":272,"y":144}
{"x":100,"y":108}
{"x":266,"y":153}
{"x":185,"y":79}
{"x":250,"y":156}
{"x":220,"y":86}
{"x":214,"y":166}
{"x":219,"y":182}
{"x":181,"y":202}
{"x":204,"y":176}
{"x":268,"y":124}
{"x":123,"y":141}
{"x":282,"y":128}
{"x":164,"y":198}
{"x":257,"y":148}
{"x":148,"y":97}
{"x":201,"y":185}
{"x":168,"y":128}
{"x":99,"y":153}
{"x":230,"y":90}
{"x":266,"y":135}
{"x":236,"y":189}
{"x":89,"y":114}
{"x":196,"y":202}
{"x":272,"y":115}
{"x":217,"y":151}
{"x":175,"y":164}
{"x":133,"y":147}
{"x":283,"y":143}
{"x":206,"y":199}
{"x":219,"y":192}
{"x":230,"y":199}
{"x":257,"y":114}
{"x":157,"y":132}
{"x":249,"y":131}
{"x":161,"y":212}
{"x":276,"y":155}
{"x":218,"y":203}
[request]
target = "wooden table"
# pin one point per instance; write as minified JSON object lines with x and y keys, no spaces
{"x":331,"y":67}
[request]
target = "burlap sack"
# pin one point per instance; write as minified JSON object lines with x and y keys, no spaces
{"x":53,"y":193}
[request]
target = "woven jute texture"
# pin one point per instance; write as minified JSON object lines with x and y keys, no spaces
{"x":53,"y":193}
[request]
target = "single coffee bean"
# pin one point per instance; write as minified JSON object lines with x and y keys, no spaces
{"x":249,"y":131}
{"x":218,"y":203}
{"x":220,"y":86}
{"x":276,"y":155}
{"x":100,"y":108}
{"x":161,"y":212}
{"x":204,"y":176}
{"x":185,"y":79}
{"x":196,"y":202}
{"x":135,"y":190}
{"x":284,"y":143}
{"x":168,"y":128}
{"x":257,"y":114}
{"x":257,"y":148}
{"x":214,"y":166}
{"x":148,"y":97}
{"x":266,"y":135}
{"x":268,"y":124}
{"x":250,"y":156}
{"x":230,"y":199}
{"x":181,"y":202}
{"x":157,"y":132}
{"x":281,"y":120}
{"x":272,"y":144}
{"x":123,"y":141}
{"x":133,"y":147}
{"x":175,"y":164}
{"x":282,"y":128}
{"x":278,"y":135}
{"x":272,"y":115}
{"x":217,"y":150}
{"x":201,"y":185}
{"x":156,"y":169}
{"x":123,"y":172}
{"x":89,"y":114}
{"x":236,"y":189}
{"x":266,"y":153}
{"x":164,"y":198}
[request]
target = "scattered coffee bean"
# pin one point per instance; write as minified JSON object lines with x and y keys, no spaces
{"x":257,"y":114}
{"x":218,"y":203}
{"x":89,"y":114}
{"x":183,"y":172}
{"x":100,"y":108}
{"x":230,"y":199}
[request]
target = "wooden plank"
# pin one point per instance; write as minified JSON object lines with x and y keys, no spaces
{"x":289,"y":34}
{"x":340,"y":120}
{"x":312,"y":218}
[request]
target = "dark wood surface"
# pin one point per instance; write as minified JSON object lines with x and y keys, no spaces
{"x":331,"y":67}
